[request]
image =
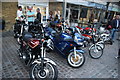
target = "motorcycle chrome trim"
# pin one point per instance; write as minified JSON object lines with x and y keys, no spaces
{"x":93,"y":45}
{"x":81,"y":51}
{"x":38,"y":61}
{"x":29,"y":59}
{"x":75,"y":52}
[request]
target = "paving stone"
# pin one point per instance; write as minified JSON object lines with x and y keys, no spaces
{"x":104,"y":67}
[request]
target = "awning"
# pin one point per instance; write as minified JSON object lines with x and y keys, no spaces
{"x":33,"y":2}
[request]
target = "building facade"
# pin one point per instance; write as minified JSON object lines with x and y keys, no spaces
{"x":77,"y":12}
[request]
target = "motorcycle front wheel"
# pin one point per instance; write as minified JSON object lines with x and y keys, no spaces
{"x":95,"y":51}
{"x":18,"y":41}
{"x":76,"y":62}
{"x":15,"y":35}
{"x":50,"y":72}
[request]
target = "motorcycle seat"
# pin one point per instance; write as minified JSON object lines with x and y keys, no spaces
{"x":27,"y":36}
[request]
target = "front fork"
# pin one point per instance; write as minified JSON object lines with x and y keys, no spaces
{"x":42,"y":58}
{"x":75,"y":52}
{"x":95,"y":48}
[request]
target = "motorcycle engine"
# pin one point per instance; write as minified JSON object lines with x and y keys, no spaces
{"x":26,"y":54}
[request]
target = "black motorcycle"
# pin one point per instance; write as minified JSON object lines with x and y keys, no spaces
{"x":17,"y":26}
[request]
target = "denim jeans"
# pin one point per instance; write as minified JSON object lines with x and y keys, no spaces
{"x":113,"y":31}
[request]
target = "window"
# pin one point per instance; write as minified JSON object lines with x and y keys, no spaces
{"x":66,"y":13}
{"x":106,"y":15}
{"x":96,"y":14}
{"x":83,"y":13}
{"x":74,"y":15}
{"x":111,"y":15}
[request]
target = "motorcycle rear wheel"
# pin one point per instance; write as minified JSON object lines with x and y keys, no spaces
{"x":79,"y":61}
{"x":36,"y":74}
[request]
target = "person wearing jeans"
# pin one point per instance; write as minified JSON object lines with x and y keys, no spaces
{"x":115,"y":25}
{"x":113,"y":31}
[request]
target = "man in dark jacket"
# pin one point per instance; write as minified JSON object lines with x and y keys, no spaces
{"x":115,"y":25}
{"x":38,"y":15}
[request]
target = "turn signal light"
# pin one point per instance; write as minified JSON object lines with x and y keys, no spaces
{"x":71,"y":44}
{"x":42,"y":40}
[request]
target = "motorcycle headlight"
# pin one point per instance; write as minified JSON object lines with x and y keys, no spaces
{"x":80,"y":43}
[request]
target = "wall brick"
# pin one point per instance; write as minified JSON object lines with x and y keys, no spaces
{"x":0,"y":10}
{"x":9,"y":10}
{"x":56,"y":6}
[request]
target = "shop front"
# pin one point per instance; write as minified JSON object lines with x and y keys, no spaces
{"x":82,"y":15}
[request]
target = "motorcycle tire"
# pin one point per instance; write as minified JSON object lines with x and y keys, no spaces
{"x":18,"y":41}
{"x":14,"y":30}
{"x":111,"y":42}
{"x":95,"y":51}
{"x":15,"y":35}
{"x":75,"y":63}
{"x":45,"y":76}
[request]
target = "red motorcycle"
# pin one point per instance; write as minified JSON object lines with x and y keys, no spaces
{"x":91,"y":35}
{"x":33,"y":52}
{"x":87,"y":32}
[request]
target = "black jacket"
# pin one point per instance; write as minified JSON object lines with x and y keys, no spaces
{"x":114,"y":23}
{"x":39,"y":16}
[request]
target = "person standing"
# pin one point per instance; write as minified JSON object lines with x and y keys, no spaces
{"x":19,"y":14}
{"x":38,"y":15}
{"x":30,"y":17}
{"x":115,"y":23}
{"x":51,"y":16}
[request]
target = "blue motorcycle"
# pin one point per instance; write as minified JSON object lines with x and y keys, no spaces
{"x":68,"y":46}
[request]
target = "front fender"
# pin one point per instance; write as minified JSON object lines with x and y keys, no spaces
{"x":47,"y":60}
{"x":80,"y":51}
{"x":94,"y":45}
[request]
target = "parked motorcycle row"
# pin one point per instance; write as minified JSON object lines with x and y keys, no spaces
{"x":68,"y":41}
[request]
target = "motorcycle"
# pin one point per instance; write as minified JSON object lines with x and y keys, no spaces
{"x":33,"y":52}
{"x":96,"y":49}
{"x":17,"y":26}
{"x":105,"y":35}
{"x":67,"y":47}
{"x":91,"y":35}
{"x":35,"y":30}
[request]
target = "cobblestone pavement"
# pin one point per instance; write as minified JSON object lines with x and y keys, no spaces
{"x":105,"y":67}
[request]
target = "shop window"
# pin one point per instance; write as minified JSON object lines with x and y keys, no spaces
{"x":117,"y":13}
{"x":44,"y":18}
{"x":74,"y":15}
{"x":83,"y":13}
{"x":66,"y":13}
{"x":106,"y":15}
{"x":111,"y":15}
{"x":96,"y":14}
